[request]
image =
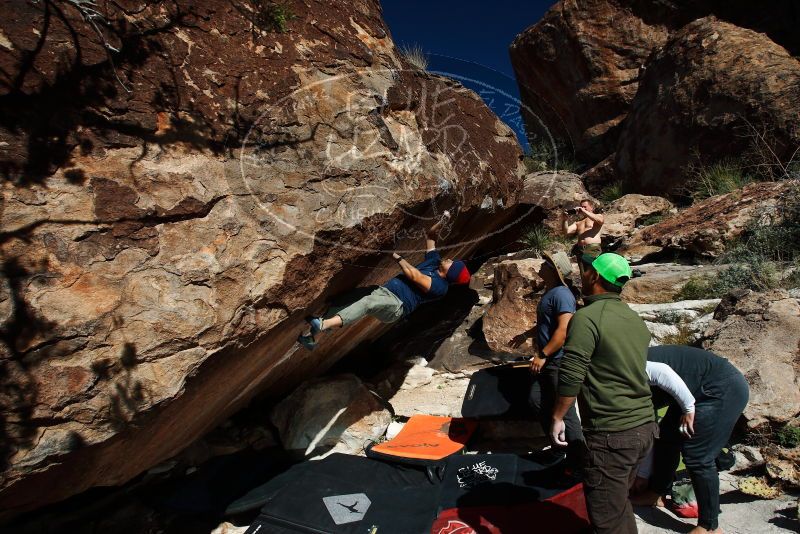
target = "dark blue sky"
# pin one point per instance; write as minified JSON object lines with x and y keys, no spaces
{"x":476,"y":34}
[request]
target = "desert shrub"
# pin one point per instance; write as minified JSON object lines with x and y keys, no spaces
{"x":537,"y":238}
{"x":540,"y":239}
{"x":775,"y":236}
{"x":544,"y":155}
{"x":612,"y":192}
{"x":270,"y":16}
{"x":792,"y":280}
{"x":684,"y":336}
{"x":717,"y":178}
{"x":415,"y":55}
{"x":758,"y":276}
{"x":789,"y":437}
{"x":696,"y":288}
{"x":652,"y":219}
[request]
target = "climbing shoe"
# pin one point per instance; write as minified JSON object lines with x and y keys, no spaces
{"x":316,"y":325}
{"x":307,"y":341}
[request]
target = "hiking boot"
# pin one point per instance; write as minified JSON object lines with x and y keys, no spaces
{"x":307,"y":341}
{"x":316,"y":325}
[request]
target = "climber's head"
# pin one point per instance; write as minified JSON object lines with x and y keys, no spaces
{"x":455,"y":271}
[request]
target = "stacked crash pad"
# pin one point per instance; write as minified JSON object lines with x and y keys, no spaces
{"x":351,"y":494}
{"x":420,"y":482}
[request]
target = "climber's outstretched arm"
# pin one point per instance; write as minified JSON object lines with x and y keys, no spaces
{"x":423,"y":281}
{"x":433,"y":232}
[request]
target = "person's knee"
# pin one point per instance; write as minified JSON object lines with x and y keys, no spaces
{"x":700,"y":465}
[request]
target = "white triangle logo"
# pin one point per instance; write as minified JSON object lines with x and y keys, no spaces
{"x":347,"y":508}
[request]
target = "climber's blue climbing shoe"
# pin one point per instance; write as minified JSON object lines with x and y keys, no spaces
{"x":316,"y":325}
{"x":307,"y":341}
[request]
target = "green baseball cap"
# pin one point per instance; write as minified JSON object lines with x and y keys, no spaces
{"x":613,"y":268}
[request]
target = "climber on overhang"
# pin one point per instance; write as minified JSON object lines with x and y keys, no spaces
{"x":398,"y":297}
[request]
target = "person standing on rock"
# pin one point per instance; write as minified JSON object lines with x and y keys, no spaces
{"x":553,"y":313}
{"x":721,"y":394}
{"x":587,"y":229}
{"x":398,"y":297}
{"x":604,"y":366}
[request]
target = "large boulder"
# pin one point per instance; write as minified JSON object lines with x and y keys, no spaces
{"x":508,"y":323}
{"x":660,"y":282}
{"x":171,"y":216}
{"x":552,"y":192}
{"x":581,"y":66}
{"x":707,"y":227}
{"x":716,"y":90}
{"x":330,"y":414}
{"x":761,"y":337}
{"x":623,"y":215}
{"x":578,"y":69}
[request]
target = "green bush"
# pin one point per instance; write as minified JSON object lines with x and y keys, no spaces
{"x":537,"y":238}
{"x":540,"y":239}
{"x":612,"y":192}
{"x":758,"y":276}
{"x":268,"y":15}
{"x":718,"y":178}
{"x":789,"y":437}
{"x":652,"y":219}
{"x":544,"y":155}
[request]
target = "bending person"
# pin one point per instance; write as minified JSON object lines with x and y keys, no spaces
{"x":661,"y":376}
{"x":400,"y":296}
{"x":721,"y":394}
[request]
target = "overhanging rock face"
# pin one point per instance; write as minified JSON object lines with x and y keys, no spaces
{"x":169,"y":219}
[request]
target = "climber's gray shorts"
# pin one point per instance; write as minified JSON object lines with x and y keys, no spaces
{"x":380,"y":303}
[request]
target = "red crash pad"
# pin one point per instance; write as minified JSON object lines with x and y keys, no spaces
{"x":564,"y":513}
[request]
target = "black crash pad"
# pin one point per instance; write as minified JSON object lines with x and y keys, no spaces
{"x":499,"y":392}
{"x":347,"y":494}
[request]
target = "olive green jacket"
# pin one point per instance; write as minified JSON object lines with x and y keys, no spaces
{"x":604,"y":365}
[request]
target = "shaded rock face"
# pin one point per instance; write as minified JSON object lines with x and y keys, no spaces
{"x":517,"y":289}
{"x":712,"y":90}
{"x":161,"y":246}
{"x":707,"y":226}
{"x":761,"y":337}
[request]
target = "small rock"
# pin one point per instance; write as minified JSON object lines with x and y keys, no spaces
{"x":394,"y":428}
{"x":229,"y":528}
{"x":417,"y":376}
{"x":747,"y":457}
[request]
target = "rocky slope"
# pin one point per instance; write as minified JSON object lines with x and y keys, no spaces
{"x":177,"y":200}
{"x":641,"y":85}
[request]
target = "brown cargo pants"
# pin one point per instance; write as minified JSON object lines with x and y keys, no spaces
{"x":609,"y":471}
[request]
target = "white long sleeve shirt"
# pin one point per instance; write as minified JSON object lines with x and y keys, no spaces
{"x":662,"y":376}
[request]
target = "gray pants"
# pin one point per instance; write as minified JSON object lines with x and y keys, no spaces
{"x":379,"y":303}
